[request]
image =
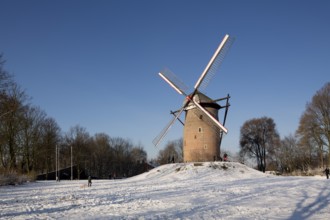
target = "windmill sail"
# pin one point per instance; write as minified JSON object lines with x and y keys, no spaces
{"x":214,"y":63}
{"x":162,"y":134}
{"x":173,"y":81}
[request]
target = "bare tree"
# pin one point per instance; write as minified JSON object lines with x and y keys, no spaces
{"x":172,"y":151}
{"x":314,"y":127}
{"x":122,"y":156}
{"x":258,"y":139}
{"x":11,"y":126}
{"x":6,"y":80}
{"x":79,"y":139}
{"x":292,"y":156}
{"x":138,"y":154}
{"x":31,"y":136}
{"x":101,"y":155}
{"x":44,"y":155}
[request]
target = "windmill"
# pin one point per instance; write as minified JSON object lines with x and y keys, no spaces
{"x":202,"y":129}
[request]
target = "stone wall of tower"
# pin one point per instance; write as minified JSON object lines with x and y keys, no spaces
{"x":201,"y":138}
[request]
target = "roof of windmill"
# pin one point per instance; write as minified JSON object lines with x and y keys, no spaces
{"x":204,"y":99}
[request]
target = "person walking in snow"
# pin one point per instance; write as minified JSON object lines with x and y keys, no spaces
{"x":89,"y":181}
{"x":225,"y":157}
{"x":327,"y":171}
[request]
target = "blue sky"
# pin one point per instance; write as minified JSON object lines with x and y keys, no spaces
{"x":95,"y":63}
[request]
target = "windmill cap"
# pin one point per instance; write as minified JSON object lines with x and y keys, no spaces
{"x":204,"y":101}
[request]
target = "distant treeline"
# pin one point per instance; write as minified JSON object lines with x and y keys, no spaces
{"x":30,"y":140}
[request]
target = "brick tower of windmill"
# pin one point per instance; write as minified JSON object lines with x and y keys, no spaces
{"x":201,"y":140}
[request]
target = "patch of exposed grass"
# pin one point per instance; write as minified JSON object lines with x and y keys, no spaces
{"x":198,"y":164}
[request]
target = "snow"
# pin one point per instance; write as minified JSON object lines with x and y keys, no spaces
{"x":210,"y":190}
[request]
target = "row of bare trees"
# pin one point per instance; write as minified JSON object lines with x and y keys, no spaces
{"x":100,"y":155}
{"x":29,"y":139}
{"x":308,"y":148}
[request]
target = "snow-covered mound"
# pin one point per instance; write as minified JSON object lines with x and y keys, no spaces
{"x":200,"y":170}
{"x":213,"y":190}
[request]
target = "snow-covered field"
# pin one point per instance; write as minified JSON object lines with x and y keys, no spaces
{"x":176,"y":191}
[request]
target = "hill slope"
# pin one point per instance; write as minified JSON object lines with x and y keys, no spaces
{"x":201,"y":170}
